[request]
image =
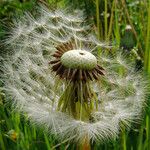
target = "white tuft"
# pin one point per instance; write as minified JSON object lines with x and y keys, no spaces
{"x":31,"y":83}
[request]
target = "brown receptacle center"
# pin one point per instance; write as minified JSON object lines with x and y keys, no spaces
{"x":75,"y":74}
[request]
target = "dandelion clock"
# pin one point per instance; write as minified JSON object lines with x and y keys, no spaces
{"x":56,"y":77}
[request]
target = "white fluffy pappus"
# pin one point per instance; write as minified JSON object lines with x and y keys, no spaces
{"x":31,"y":83}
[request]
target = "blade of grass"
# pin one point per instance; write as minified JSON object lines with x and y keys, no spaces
{"x":47,"y":142}
{"x":147,"y":47}
{"x":105,"y":19}
{"x":140,"y":139}
{"x":98,"y":18}
{"x":2,"y":145}
{"x":111,"y":20}
{"x":116,"y":30}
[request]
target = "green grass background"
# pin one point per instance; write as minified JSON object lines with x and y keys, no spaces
{"x":110,"y":18}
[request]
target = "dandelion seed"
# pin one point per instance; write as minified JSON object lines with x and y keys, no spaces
{"x":57,"y":80}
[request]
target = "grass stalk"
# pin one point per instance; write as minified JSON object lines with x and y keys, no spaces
{"x":105,"y":19}
{"x":47,"y":142}
{"x":140,"y":139}
{"x":147,"y":144}
{"x":147,"y":47}
{"x":111,"y":21}
{"x":2,"y":145}
{"x":147,"y":69}
{"x":117,"y":30}
{"x":98,"y":18}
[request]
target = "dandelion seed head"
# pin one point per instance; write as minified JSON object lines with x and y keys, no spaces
{"x":55,"y":77}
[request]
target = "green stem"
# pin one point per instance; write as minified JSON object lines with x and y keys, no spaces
{"x":123,"y":139}
{"x":117,"y":29}
{"x":105,"y":19}
{"x":111,"y":20}
{"x":147,"y":51}
{"x":1,"y":140}
{"x":98,"y":18}
{"x":147,"y":130}
{"x":140,"y":138}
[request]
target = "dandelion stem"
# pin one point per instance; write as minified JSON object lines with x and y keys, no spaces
{"x":123,"y":136}
{"x":85,"y":145}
